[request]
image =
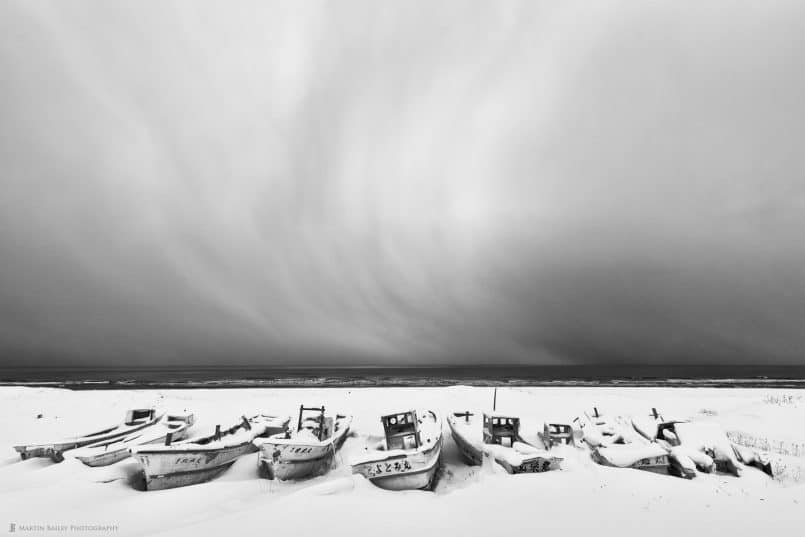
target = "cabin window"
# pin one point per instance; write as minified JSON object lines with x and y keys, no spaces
{"x":403,"y":442}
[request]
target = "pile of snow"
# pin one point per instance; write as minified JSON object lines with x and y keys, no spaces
{"x":467,"y":500}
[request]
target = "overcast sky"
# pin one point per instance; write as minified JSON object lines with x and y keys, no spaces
{"x":401,"y":183}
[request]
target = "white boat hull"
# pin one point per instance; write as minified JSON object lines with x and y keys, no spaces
{"x":113,"y":453}
{"x":658,"y":463}
{"x":291,"y":458}
{"x":56,"y":450}
{"x":178,"y":468}
{"x":416,"y":470}
{"x":106,"y":458}
{"x":471,"y":455}
{"x":197,"y":460}
{"x":281,"y":468}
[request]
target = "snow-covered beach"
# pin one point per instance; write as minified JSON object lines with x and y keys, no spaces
{"x":38,"y":496}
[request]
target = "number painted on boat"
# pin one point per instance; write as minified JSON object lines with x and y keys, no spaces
{"x":387,"y":468}
{"x":653,"y":461}
{"x":188,"y":460}
{"x":540,"y":465}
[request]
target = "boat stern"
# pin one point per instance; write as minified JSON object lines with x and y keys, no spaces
{"x":286,"y":461}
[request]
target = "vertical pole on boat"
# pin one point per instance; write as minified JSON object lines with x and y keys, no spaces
{"x":321,"y":423}
{"x":495,"y":399}
{"x":168,"y":439}
{"x":299,"y":424}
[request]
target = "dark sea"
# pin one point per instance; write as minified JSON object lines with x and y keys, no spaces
{"x":261,"y":377}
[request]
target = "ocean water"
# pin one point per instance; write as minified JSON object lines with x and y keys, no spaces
{"x":262,"y":377}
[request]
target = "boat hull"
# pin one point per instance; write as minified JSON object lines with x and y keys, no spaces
{"x":56,"y":450}
{"x":471,"y":455}
{"x":293,"y":458}
{"x":416,"y":470}
{"x":531,"y":466}
{"x":179,"y":468}
{"x":105,"y":458}
{"x":657,"y":464}
{"x":286,"y":470}
{"x":297,"y":461}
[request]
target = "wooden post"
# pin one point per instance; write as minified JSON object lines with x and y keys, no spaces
{"x":299,"y":423}
{"x":495,"y":400}
{"x":218,"y":432}
{"x":321,"y":423}
{"x":595,"y":412}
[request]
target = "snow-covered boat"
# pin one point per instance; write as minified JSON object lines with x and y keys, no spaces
{"x":498,"y":436}
{"x":753,"y":457}
{"x":682,"y":461}
{"x":307,"y":451}
{"x":201,"y":458}
{"x":615,"y":442}
{"x":705,"y":444}
{"x":104,"y":454}
{"x":410,"y":455}
{"x":135,"y":420}
{"x":649,"y":457}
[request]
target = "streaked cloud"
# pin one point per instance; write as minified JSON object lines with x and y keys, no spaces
{"x":365,"y":182}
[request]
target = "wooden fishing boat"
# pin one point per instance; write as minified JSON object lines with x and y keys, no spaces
{"x":682,"y":461}
{"x":135,"y":420}
{"x":498,"y":436}
{"x":753,"y":457}
{"x":615,"y":442}
{"x":307,"y":451}
{"x":706,"y":445}
{"x":651,"y":457}
{"x":201,"y":458}
{"x":104,"y":454}
{"x":410,"y":455}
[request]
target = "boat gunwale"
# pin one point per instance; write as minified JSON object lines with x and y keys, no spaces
{"x":400,"y":454}
{"x":169,"y":450}
{"x":110,"y":434}
{"x":337,"y":436}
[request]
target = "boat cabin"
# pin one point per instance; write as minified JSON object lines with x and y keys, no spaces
{"x":667,"y":431}
{"x":176,"y":420}
{"x":402,"y":430}
{"x":139,"y":415}
{"x":558,"y":433}
{"x":312,"y":419}
{"x":503,"y":430}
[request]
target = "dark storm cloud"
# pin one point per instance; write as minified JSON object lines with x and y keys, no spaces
{"x":401,"y":182}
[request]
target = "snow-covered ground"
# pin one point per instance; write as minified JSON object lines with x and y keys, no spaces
{"x":581,"y":499}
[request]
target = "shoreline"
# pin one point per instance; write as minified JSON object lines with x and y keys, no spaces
{"x":222,"y":384}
